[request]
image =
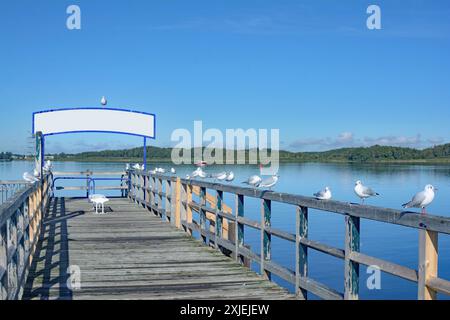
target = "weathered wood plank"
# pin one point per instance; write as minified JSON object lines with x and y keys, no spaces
{"x":351,"y":268}
{"x":428,"y":263}
{"x":129,"y":253}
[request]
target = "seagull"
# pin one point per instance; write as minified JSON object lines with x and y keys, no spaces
{"x":137,"y":166}
{"x":253,"y":181}
{"x":188,"y":177}
{"x":29,"y":178}
{"x":220,"y":176}
{"x":160,"y":170}
{"x":324,"y":194}
{"x":269,"y":182}
{"x":230,"y":176}
{"x":422,"y":199}
{"x":173,"y":171}
{"x":364,"y":192}
{"x":36,"y":173}
{"x":103,"y":101}
{"x":127,"y":167}
{"x":48,"y":166}
{"x":199,"y":173}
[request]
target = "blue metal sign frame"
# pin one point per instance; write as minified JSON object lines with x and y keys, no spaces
{"x":98,"y":131}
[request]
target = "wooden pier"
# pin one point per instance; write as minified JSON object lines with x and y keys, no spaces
{"x":131,"y":254}
{"x":143,"y":247}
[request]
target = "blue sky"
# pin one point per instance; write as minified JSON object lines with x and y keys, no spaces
{"x":309,"y":68}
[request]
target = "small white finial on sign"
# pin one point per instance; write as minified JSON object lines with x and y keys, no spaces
{"x":104,"y":102}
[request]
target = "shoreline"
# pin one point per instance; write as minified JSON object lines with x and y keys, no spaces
{"x":282,"y":161}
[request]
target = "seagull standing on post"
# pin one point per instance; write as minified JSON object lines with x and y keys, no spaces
{"x":253,"y":181}
{"x":230,"y":176}
{"x":422,"y":199}
{"x":103,"y":101}
{"x":324,"y":194}
{"x":269,"y":182}
{"x":364,"y":192}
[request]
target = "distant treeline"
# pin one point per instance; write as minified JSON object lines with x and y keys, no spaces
{"x":362,"y":154}
{"x":6,"y":156}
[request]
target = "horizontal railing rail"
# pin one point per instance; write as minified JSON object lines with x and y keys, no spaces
{"x":91,"y":178}
{"x":174,"y":203}
{"x":20,"y":224}
{"x":8,"y":188}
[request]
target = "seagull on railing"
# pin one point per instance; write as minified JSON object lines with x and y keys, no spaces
{"x":324,"y":194}
{"x":103,"y":101}
{"x":269,"y":182}
{"x":199,"y":173}
{"x":221,"y":176}
{"x":253,"y":181}
{"x":230,"y":176}
{"x":48,"y":166}
{"x":29,"y":177}
{"x":173,"y":171}
{"x":127,"y":167}
{"x":137,"y":166}
{"x":422,"y":199}
{"x":364,"y":192}
{"x":160,"y":170}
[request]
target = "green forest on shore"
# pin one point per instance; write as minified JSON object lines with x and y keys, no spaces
{"x":377,"y":153}
{"x":373,"y":154}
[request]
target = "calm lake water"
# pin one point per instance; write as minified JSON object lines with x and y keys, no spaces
{"x":395,"y":183}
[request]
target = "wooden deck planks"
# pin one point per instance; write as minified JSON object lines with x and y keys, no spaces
{"x":131,"y":254}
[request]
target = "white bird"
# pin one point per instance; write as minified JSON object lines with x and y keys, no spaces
{"x":199,"y":173}
{"x":324,"y":194}
{"x":188,"y":177}
{"x":220,"y":176}
{"x":422,"y":199}
{"x":253,"y":181}
{"x":364,"y":192}
{"x":269,"y":182}
{"x":36,"y":173}
{"x":230,"y":176}
{"x":137,"y":166}
{"x":29,"y":177}
{"x":127,"y":167}
{"x":103,"y":101}
{"x":48,"y":166}
{"x":160,"y":170}
{"x":173,"y":171}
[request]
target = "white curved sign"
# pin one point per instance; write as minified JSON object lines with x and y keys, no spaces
{"x":110,"y":120}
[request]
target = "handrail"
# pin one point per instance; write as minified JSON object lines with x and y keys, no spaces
{"x":91,"y":181}
{"x":174,"y":204}
{"x":20,"y":225}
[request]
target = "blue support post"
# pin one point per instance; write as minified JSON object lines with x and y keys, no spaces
{"x":145,"y":153}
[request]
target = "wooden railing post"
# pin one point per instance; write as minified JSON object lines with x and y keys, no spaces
{"x":159,"y":197}
{"x":301,"y":252}
{"x":188,"y":207}
{"x":177,"y":204}
{"x":428,"y":263}
{"x":3,"y":263}
{"x":202,"y":212}
{"x":239,"y":230}
{"x":352,"y":243}
{"x":154,"y":189}
{"x":266,"y":238}
{"x":168,"y":201}
{"x":219,"y":219}
{"x":11,"y":245}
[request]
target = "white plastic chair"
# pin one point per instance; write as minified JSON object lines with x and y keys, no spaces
{"x":99,"y":199}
